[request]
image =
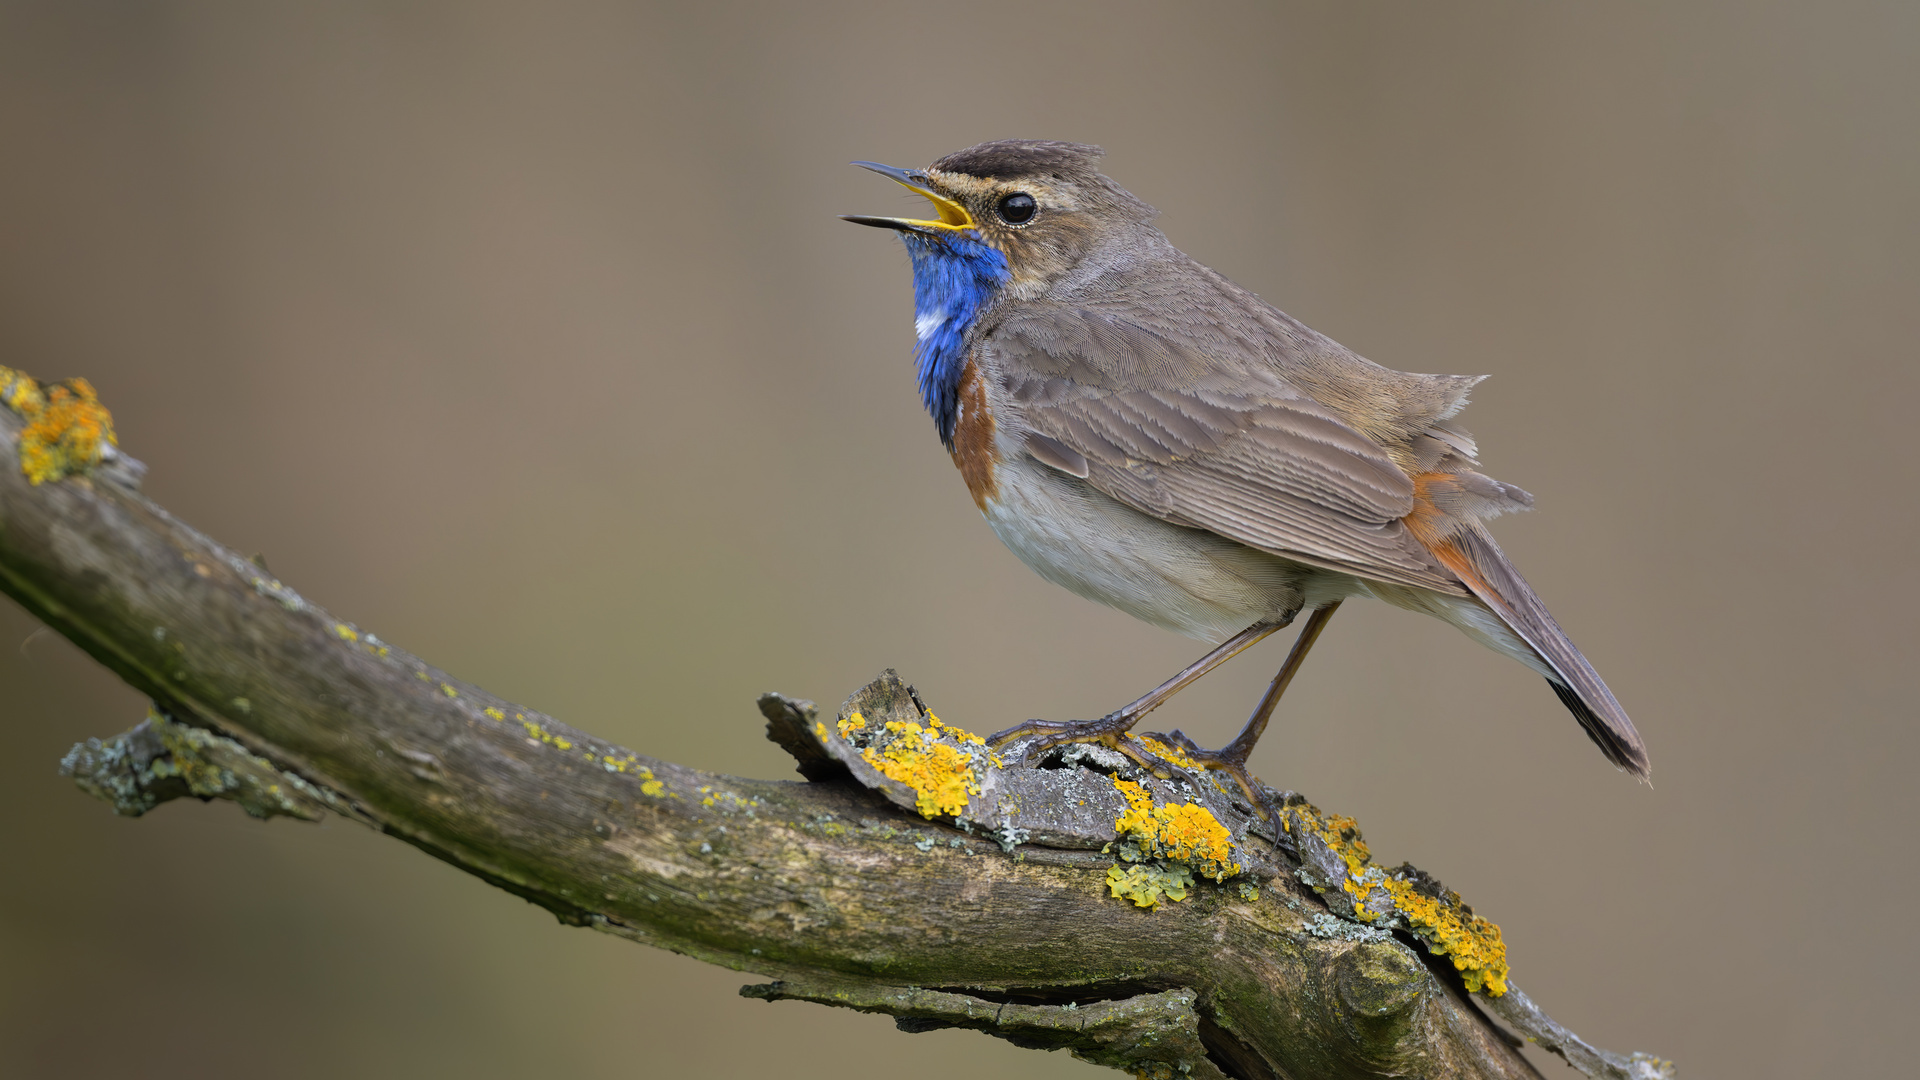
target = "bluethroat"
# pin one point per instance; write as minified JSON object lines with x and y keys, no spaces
{"x":1146,"y":433}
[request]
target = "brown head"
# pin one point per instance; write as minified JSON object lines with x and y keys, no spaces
{"x":1044,"y":204}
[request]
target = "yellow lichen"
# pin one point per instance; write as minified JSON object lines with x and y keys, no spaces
{"x":345,"y":632}
{"x":1179,"y":832}
{"x":67,"y":431}
{"x":941,"y":774}
{"x":854,"y":722}
{"x":1342,"y":834}
{"x":537,"y":733}
{"x":20,"y":393}
{"x":1436,"y":915}
{"x":964,"y":736}
{"x":652,"y":788}
{"x":1145,"y":885}
{"x":1452,"y":930}
{"x":724,"y":800}
{"x":448,"y":690}
{"x":493,"y":713}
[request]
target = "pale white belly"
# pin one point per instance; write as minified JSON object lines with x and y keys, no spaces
{"x":1187,"y":580}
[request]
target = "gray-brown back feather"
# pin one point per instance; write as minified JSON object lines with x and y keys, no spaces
{"x":1183,"y":393}
{"x":1186,"y":397}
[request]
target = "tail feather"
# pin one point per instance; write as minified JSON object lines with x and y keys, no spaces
{"x":1473,"y":556}
{"x":1627,"y":753}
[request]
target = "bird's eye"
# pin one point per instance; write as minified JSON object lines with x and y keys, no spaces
{"x":1017,"y":208}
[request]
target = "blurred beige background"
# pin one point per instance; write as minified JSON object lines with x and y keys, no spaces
{"x":525,"y":335}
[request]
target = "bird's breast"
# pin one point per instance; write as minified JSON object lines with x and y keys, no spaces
{"x":973,"y":437}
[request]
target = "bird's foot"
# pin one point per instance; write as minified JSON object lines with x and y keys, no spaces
{"x":1038,"y":736}
{"x":1034,"y":738}
{"x":1230,"y":759}
{"x":1045,"y":734}
{"x":1167,"y":756}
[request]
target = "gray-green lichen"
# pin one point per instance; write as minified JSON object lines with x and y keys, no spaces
{"x":1154,"y":1035}
{"x":162,"y":759}
{"x":1322,"y":925}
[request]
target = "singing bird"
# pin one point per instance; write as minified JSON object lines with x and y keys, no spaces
{"x":1150,"y":435}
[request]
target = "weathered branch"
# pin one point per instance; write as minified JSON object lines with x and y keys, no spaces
{"x":998,"y":917}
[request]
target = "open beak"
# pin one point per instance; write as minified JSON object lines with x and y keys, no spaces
{"x":953,"y":217}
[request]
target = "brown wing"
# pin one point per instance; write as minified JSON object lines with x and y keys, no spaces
{"x":1222,"y":442}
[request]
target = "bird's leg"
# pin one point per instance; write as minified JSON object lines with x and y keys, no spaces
{"x":1232,"y":758}
{"x":1120,"y":721}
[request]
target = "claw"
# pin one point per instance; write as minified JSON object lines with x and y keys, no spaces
{"x":1232,"y":760}
{"x":1111,"y":730}
{"x":1144,"y":757}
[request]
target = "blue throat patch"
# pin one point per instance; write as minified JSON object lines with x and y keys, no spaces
{"x":954,"y":278}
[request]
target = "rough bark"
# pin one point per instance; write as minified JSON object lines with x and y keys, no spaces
{"x":998,"y":918}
